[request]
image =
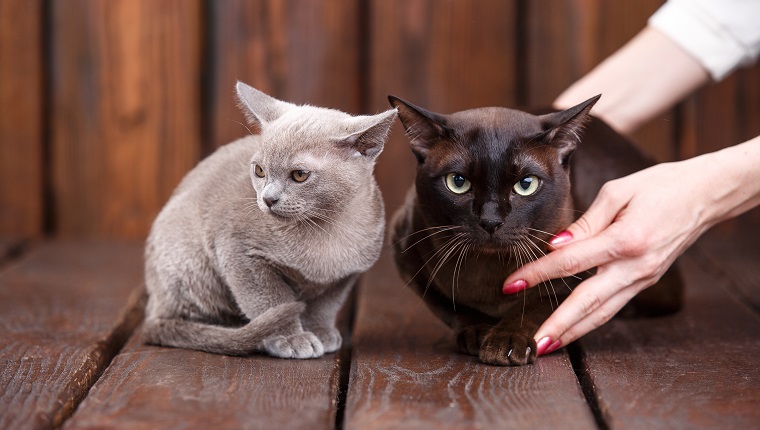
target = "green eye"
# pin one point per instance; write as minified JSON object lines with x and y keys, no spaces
{"x":457,"y":183}
{"x":258,"y":171}
{"x":527,"y":185}
{"x":300,"y":175}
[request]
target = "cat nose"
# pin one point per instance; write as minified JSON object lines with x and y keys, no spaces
{"x":269,"y":200}
{"x":491,"y":225}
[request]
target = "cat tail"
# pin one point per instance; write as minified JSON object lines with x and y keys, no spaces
{"x":181,"y":333}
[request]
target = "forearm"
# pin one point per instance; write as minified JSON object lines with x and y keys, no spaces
{"x":646,"y":77}
{"x":735,"y":173}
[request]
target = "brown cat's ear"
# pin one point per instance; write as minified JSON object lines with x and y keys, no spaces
{"x":423,"y":127}
{"x":371,"y":134}
{"x":563,"y":129}
{"x":258,"y":107}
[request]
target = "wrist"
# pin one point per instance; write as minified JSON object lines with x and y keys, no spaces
{"x":732,"y":180}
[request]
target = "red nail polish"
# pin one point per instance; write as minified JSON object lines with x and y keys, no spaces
{"x":553,"y":347}
{"x":561,"y":237}
{"x":542,"y":345}
{"x":514,"y":287}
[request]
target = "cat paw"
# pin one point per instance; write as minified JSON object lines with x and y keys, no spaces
{"x":300,"y":345}
{"x":330,"y":337}
{"x":508,"y":349}
{"x":470,"y":338}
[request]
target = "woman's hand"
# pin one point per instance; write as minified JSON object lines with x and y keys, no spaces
{"x":633,"y":231}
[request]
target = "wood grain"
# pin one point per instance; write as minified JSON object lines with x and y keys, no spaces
{"x":150,"y":387}
{"x":21,"y":118}
{"x":65,"y":310}
{"x":566,"y":39}
{"x":298,"y":51}
{"x":444,"y":56}
{"x":697,"y":369}
{"x":125,"y":111}
{"x":405,"y":373}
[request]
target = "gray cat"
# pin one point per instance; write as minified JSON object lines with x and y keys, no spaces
{"x":258,"y":247}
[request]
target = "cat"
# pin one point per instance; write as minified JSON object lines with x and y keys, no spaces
{"x":492,"y":186}
{"x":259,"y":245}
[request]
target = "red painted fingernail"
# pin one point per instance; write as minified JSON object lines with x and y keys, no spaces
{"x":542,"y":345}
{"x":514,"y":287}
{"x":561,"y":237}
{"x":553,"y":347}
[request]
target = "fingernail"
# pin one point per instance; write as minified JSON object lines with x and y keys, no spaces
{"x":514,"y":287}
{"x":542,"y":345}
{"x":561,"y":237}
{"x":553,"y":347}
{"x":545,"y":345}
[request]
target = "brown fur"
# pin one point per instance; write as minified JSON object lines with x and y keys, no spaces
{"x":455,"y":250}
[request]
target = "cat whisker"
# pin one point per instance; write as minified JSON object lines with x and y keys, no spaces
{"x":246,"y":127}
{"x":441,"y":230}
{"x":532,"y":248}
{"x":456,"y":242}
{"x":436,"y":252}
{"x":457,"y":270}
{"x":566,"y":273}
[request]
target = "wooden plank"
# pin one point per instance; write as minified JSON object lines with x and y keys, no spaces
{"x":9,"y":248}
{"x":150,"y":387}
{"x":566,"y":39}
{"x":298,"y":51}
{"x":697,"y":369}
{"x":65,"y":310}
{"x":405,"y":373}
{"x":125,"y":113}
{"x":21,"y":121}
{"x":444,"y":56}
{"x":731,"y":250}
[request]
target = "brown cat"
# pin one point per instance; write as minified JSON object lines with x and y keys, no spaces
{"x":492,"y":186}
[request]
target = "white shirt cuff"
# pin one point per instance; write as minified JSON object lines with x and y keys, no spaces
{"x":707,"y":36}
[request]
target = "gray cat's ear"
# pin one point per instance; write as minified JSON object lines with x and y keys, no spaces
{"x":563,"y":129}
{"x":372,"y":132}
{"x":423,"y":127}
{"x":258,"y":107}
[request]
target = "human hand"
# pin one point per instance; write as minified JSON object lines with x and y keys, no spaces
{"x":633,"y":231}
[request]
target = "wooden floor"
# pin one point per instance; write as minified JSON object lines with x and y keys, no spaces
{"x":70,"y":314}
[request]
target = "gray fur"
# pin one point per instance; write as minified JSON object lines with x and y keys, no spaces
{"x":236,"y":263}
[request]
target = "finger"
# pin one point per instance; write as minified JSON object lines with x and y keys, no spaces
{"x":568,"y":261}
{"x":590,"y":305}
{"x":602,"y":212}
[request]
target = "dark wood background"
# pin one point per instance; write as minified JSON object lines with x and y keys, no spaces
{"x":105,"y":105}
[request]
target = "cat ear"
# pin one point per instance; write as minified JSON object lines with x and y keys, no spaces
{"x":371,"y":135}
{"x":423,"y":127}
{"x":563,"y":129}
{"x":258,"y":107}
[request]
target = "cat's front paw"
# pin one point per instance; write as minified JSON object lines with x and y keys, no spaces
{"x":330,"y":337}
{"x":508,"y":349}
{"x":470,"y":338}
{"x":300,"y":345}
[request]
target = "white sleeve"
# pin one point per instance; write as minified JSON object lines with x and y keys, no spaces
{"x":720,"y":34}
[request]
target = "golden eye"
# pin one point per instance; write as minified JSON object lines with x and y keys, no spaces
{"x":527,"y":185}
{"x":457,"y":183}
{"x":258,"y":171}
{"x":300,"y":175}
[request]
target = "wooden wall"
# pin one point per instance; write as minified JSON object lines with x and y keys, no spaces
{"x":104,"y":105}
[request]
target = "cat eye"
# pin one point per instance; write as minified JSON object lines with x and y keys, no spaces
{"x":526,"y":186}
{"x":258,"y":171}
{"x":300,"y":175}
{"x":457,"y":183}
